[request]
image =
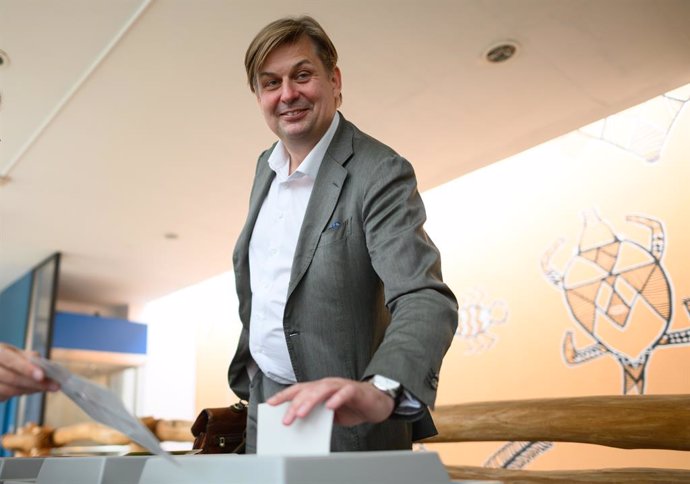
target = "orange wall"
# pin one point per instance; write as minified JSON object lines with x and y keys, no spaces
{"x":494,"y":226}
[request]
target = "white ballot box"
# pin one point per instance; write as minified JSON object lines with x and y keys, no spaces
{"x":395,"y":467}
{"x":337,"y":468}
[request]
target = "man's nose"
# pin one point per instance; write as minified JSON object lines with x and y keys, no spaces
{"x":289,"y":92}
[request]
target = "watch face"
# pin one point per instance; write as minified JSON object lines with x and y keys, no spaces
{"x":387,"y":385}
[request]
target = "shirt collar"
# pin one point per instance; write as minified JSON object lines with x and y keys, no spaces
{"x":279,"y":160}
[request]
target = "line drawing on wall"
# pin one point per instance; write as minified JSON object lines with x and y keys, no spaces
{"x":477,"y":315}
{"x":517,"y":454}
{"x":643,"y":129}
{"x":618,"y":291}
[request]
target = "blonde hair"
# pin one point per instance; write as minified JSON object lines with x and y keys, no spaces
{"x":288,"y":30}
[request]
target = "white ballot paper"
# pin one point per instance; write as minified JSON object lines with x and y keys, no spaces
{"x":305,"y":436}
{"x":102,"y":405}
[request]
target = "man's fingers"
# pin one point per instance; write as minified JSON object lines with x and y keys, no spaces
{"x":304,"y":401}
{"x":292,"y":394}
{"x":12,"y":379}
{"x":344,"y":395}
{"x":12,"y":385}
{"x":283,"y":395}
{"x":7,"y":392}
{"x":305,"y":396}
{"x":18,"y":362}
{"x":19,"y":376}
{"x":352,"y":401}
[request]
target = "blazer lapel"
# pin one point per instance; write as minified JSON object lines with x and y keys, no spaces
{"x":324,"y":197}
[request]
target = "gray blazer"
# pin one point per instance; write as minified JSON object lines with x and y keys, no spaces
{"x":365,"y":295}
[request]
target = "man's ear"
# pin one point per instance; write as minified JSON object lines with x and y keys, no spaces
{"x":336,"y":81}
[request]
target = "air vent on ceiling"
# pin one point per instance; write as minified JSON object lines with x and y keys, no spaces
{"x":501,"y":51}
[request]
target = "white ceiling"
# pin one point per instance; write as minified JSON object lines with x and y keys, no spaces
{"x":121,"y":121}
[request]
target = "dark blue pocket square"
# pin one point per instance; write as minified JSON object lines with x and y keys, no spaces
{"x":334,"y":225}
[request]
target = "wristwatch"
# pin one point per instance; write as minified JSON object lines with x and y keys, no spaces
{"x":390,"y":387}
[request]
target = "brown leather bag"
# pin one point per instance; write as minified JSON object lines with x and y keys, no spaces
{"x":221,"y":430}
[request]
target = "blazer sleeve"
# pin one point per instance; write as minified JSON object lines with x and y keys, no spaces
{"x":424,"y":311}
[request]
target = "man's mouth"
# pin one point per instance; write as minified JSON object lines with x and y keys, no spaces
{"x":293,"y":113}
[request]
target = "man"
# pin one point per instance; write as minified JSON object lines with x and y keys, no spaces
{"x":340,"y":289}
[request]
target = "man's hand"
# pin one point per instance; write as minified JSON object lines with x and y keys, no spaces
{"x":353,"y":402}
{"x":18,"y":376}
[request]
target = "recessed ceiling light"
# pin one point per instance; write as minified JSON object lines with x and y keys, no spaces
{"x":501,"y":51}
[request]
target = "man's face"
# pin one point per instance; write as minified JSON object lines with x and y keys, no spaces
{"x":297,"y":94}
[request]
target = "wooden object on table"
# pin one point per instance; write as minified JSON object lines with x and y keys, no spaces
{"x":31,"y":439}
{"x":91,"y":432}
{"x":149,"y":422}
{"x":174,"y":430}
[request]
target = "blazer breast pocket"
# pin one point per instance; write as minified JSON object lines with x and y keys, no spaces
{"x":336,"y":231}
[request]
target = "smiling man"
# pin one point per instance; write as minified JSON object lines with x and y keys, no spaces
{"x":340,"y":289}
{"x":298,"y":97}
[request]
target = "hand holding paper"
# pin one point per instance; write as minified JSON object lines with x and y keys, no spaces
{"x":307,"y":436}
{"x":102,"y":405}
{"x":18,"y":376}
{"x":354,"y":402}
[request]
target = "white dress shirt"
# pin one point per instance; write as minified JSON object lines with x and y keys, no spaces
{"x":271,"y":250}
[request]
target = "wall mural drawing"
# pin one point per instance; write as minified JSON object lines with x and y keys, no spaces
{"x":516,"y":455}
{"x":618,"y":291}
{"x":643,"y":129}
{"x":610,"y":285}
{"x":477,"y":316}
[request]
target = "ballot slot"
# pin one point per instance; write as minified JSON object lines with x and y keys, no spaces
{"x":24,"y":468}
{"x":127,"y":469}
{"x":71,"y":470}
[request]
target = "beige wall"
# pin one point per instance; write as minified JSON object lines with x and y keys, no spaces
{"x":212,"y":361}
{"x":494,"y":226}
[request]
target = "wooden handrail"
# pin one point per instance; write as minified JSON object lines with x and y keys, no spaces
{"x":585,"y":476}
{"x":623,"y":421}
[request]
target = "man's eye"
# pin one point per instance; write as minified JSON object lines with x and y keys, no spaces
{"x":303,"y":76}
{"x":270,"y":84}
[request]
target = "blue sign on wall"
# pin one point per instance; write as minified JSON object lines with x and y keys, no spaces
{"x":96,"y":333}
